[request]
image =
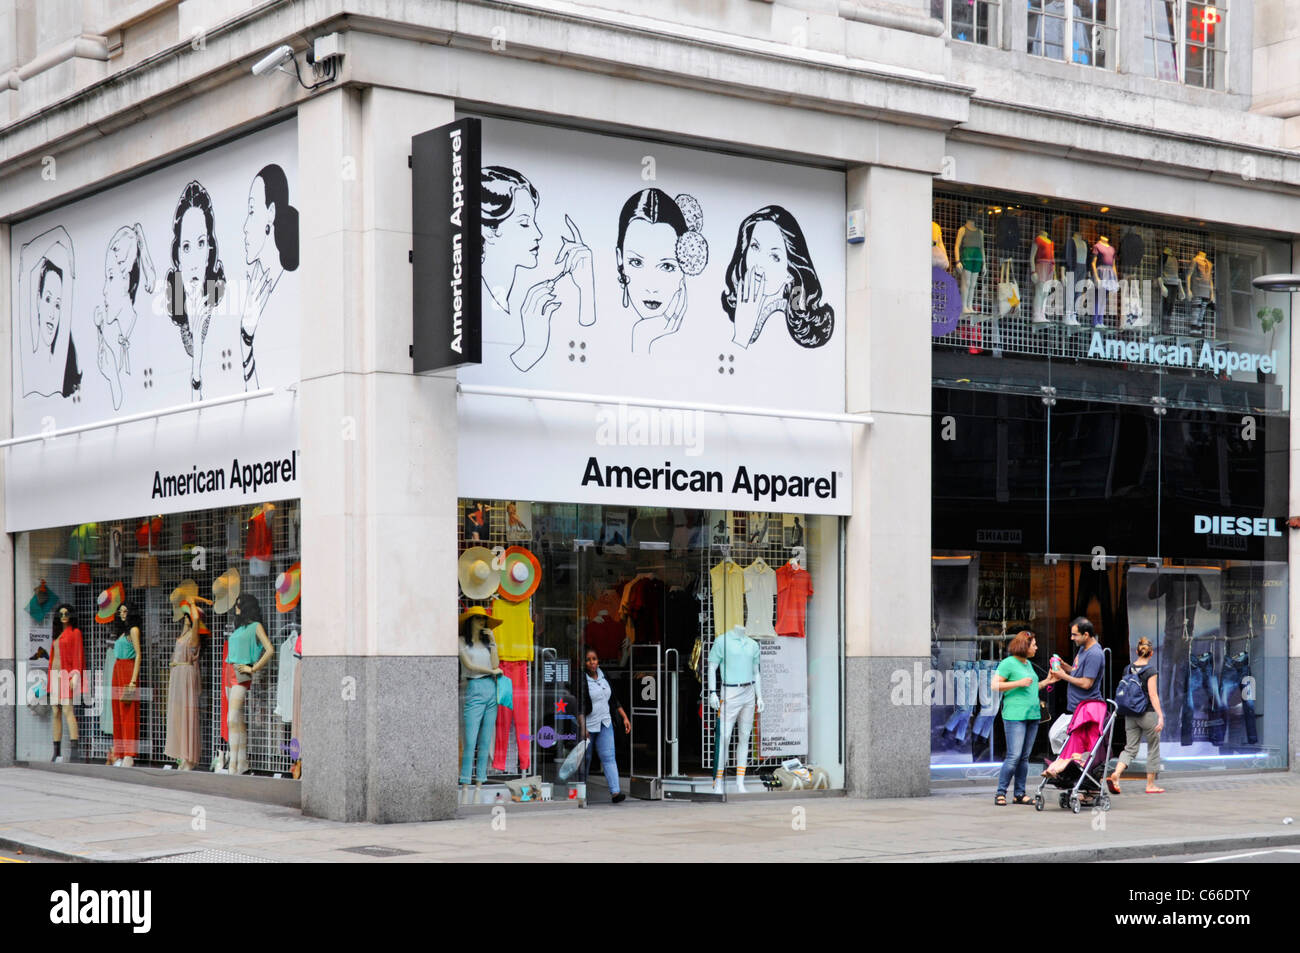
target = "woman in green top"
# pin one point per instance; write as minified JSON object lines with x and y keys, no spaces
{"x":1020,"y":713}
{"x":248,"y":657}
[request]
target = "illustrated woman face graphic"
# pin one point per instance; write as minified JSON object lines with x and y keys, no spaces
{"x":257,"y":223}
{"x":122,"y":271}
{"x":648,"y":259}
{"x":508,"y":223}
{"x":766,"y":255}
{"x":517,"y":239}
{"x":49,"y":302}
{"x":192,"y":250}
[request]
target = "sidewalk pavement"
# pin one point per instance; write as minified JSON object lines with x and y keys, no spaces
{"x":89,"y":819}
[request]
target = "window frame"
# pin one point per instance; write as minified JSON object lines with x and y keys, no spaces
{"x":1069,"y":21}
{"x":1180,"y":44}
{"x":994,"y":25}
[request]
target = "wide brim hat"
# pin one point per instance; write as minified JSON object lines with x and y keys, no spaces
{"x":225,"y":590}
{"x":187,"y":591}
{"x":110,"y":600}
{"x":521,"y":575}
{"x":472,"y":611}
{"x":288,"y":588}
{"x":478,"y":580}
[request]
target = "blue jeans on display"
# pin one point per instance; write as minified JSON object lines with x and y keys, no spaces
{"x":1236,"y":676}
{"x":992,"y":700}
{"x":966,"y":689}
{"x":603,"y":741}
{"x":1020,"y":742}
{"x":479,"y":721}
{"x":1202,"y":682}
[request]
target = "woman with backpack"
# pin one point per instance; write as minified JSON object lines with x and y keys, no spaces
{"x":1148,"y":724}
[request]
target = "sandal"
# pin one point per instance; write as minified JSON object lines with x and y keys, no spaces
{"x":1155,"y":790}
{"x":1000,"y":800}
{"x":1114,"y":788}
{"x":1022,"y":799}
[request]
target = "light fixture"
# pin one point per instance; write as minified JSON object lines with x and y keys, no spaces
{"x":1104,"y":209}
{"x":1282,"y":283}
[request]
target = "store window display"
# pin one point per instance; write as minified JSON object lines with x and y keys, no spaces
{"x":660,"y":606}
{"x":151,"y":660}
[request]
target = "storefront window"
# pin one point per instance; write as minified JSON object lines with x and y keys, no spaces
{"x":682,"y":608}
{"x":1164,"y":525}
{"x":160,"y":602}
{"x":1075,"y":32}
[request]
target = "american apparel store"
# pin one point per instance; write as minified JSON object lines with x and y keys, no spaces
{"x":654,"y":463}
{"x":1110,"y":440}
{"x":151,"y":483}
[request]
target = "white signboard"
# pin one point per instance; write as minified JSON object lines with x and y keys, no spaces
{"x":783,"y":725}
{"x":627,"y":268}
{"x":176,"y":287}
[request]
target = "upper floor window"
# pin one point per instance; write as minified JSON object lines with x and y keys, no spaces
{"x":1187,"y":41}
{"x":1073,"y":31}
{"x":972,"y":21}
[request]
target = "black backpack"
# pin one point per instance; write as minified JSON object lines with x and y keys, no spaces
{"x":1130,"y":694}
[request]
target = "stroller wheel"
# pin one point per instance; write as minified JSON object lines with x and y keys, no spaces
{"x":1105,"y":802}
{"x":1038,"y":802}
{"x":1064,"y":800}
{"x":1074,"y":803}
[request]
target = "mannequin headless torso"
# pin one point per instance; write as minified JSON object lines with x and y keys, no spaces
{"x":969,"y":252}
{"x":736,"y":657}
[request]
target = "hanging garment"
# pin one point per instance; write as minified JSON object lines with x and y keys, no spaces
{"x":760,"y":596}
{"x":514,"y":636}
{"x":794,"y":588}
{"x":728,"y":583}
{"x":258,"y":548}
{"x":285,"y":674}
{"x":184,"y":737}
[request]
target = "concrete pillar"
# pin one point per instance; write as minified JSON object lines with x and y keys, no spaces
{"x":887,"y":601}
{"x":11,"y":693}
{"x":1275,"y":73}
{"x":379,"y":479}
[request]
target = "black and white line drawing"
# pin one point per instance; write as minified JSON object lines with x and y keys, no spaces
{"x":128,"y":268}
{"x":660,"y":244}
{"x":49,"y":357}
{"x":196,"y":282}
{"x":270,"y":249}
{"x":771,"y":271}
{"x":512,"y":240}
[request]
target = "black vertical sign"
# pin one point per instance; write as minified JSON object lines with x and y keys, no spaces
{"x":446,"y":254}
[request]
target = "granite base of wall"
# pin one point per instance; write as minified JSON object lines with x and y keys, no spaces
{"x":9,"y":718}
{"x":888,"y":742}
{"x":379,"y":738}
{"x":1293,"y":715}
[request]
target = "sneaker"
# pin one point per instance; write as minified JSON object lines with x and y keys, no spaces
{"x":619,"y":798}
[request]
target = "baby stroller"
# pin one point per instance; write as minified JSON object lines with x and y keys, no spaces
{"x":1081,"y":783}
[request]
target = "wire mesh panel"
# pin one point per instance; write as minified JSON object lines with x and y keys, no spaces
{"x":1040,"y":279}
{"x":153,"y":564}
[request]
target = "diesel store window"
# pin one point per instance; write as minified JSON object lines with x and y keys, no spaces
{"x":715,"y":633}
{"x":163,"y":641}
{"x":1166,"y":526}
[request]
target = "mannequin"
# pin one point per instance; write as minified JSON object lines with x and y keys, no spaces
{"x":1008,"y":240}
{"x":242,"y":654}
{"x":1044,"y":256}
{"x":1076,"y":272}
{"x":1171,"y":282}
{"x":1104,"y":276}
{"x":737,"y":656}
{"x":67,"y":660}
{"x":183,"y":732}
{"x":126,"y":692}
{"x":479,"y":670}
{"x":1200,"y":288}
{"x":969,"y":252}
{"x":938,"y":254}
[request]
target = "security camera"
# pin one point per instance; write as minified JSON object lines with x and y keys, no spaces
{"x":273,"y":60}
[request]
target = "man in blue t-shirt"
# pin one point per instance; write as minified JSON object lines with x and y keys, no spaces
{"x":1084,"y":676}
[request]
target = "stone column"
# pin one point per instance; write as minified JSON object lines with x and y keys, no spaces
{"x":887,"y":586}
{"x":11,"y":693}
{"x":379,"y":670}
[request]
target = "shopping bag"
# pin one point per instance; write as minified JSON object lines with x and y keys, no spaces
{"x":1008,"y":297}
{"x":1059,"y":732}
{"x":505,"y":692}
{"x":574,"y":759}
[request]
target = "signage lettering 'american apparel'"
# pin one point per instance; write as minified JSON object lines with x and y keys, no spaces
{"x":759,"y":486}
{"x":457,"y":204}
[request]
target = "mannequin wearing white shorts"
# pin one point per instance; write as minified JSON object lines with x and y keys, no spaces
{"x":734,"y":657}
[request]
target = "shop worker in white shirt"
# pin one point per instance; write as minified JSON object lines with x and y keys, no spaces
{"x":735,"y":657}
{"x":595,"y":724}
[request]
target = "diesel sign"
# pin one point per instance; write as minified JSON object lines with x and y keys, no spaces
{"x":1234,"y":526}
{"x":445,"y":246}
